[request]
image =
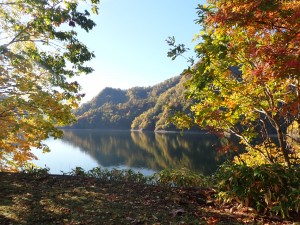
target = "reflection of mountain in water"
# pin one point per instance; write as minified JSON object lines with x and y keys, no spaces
{"x":155,"y":151}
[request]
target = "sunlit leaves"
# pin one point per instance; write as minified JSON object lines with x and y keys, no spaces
{"x":247,"y":76}
{"x":271,"y":189}
{"x":39,"y":52}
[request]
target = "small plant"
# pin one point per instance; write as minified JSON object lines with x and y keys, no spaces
{"x":270,"y":188}
{"x":182,"y":177}
{"x":114,"y":175}
{"x":135,"y":177}
{"x":36,"y":171}
{"x":78,"y":171}
{"x":97,"y":172}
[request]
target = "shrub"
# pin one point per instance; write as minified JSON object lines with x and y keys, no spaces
{"x":37,"y":172}
{"x":117,"y":175}
{"x":114,"y":175}
{"x":270,"y":188}
{"x":180,"y":177}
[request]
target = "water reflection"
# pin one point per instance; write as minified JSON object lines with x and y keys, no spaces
{"x":154,"y":151}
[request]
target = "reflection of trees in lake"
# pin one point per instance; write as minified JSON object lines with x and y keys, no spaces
{"x":108,"y":148}
{"x":155,"y":151}
{"x":172,"y":150}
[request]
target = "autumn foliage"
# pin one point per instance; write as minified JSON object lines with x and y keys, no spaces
{"x":246,"y":81}
{"x":39,"y":52}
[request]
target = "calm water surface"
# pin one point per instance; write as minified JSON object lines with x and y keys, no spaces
{"x":144,"y":152}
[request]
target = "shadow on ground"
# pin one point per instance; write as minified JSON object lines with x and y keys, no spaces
{"x":55,"y":199}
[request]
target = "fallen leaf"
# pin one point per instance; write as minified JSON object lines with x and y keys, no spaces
{"x":175,"y":212}
{"x":212,"y":221}
{"x":154,"y":217}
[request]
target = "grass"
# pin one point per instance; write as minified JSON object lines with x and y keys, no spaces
{"x":63,"y":199}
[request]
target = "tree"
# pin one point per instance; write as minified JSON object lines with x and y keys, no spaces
{"x":246,"y":81}
{"x":40,"y":51}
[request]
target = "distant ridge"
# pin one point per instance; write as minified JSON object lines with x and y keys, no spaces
{"x":137,"y":108}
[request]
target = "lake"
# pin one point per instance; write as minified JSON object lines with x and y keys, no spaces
{"x":146,"y":152}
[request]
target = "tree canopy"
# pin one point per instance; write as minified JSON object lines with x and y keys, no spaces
{"x":40,"y":51}
{"x":246,"y":81}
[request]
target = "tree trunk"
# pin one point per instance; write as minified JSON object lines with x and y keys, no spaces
{"x":283,"y":146}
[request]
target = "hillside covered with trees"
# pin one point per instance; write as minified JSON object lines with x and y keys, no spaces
{"x":137,"y":108}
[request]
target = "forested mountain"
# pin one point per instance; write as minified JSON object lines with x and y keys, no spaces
{"x":138,"y":108}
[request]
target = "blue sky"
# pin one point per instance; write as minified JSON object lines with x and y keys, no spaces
{"x":129,"y":42}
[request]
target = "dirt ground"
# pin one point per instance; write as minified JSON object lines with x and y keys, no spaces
{"x":61,"y":199}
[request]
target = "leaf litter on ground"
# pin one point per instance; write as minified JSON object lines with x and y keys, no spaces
{"x":68,"y":200}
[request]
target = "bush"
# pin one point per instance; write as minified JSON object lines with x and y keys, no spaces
{"x":37,"y":172}
{"x":170,"y":177}
{"x":113,"y":175}
{"x":270,"y":188}
{"x":181,"y":178}
{"x":117,"y":175}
